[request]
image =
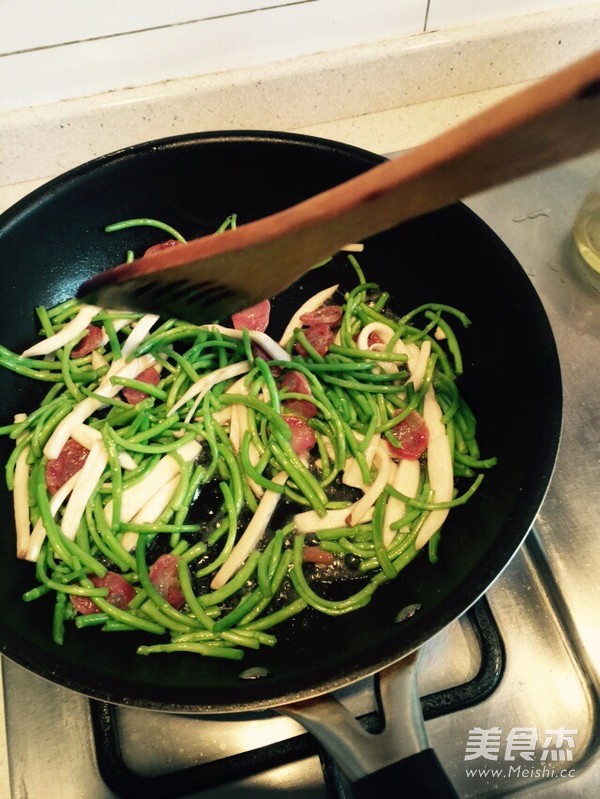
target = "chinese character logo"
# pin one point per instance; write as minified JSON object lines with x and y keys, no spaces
{"x":483,"y":743}
{"x":521,"y":743}
{"x":559,"y":744}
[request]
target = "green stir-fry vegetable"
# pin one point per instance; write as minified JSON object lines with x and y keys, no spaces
{"x":204,"y":484}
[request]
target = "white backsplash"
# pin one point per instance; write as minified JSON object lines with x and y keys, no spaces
{"x":68,"y":48}
{"x":385,"y":95}
{"x":85,"y":48}
{"x":450,"y":13}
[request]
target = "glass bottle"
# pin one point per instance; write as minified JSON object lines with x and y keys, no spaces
{"x":586,"y":226}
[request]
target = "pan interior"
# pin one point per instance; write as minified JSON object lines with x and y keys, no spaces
{"x":54,"y":239}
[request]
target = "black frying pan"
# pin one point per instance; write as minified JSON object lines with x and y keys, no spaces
{"x":53,"y":240}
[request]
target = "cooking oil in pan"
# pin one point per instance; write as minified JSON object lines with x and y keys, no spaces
{"x":586,"y":228}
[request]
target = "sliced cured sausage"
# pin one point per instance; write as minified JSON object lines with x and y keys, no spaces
{"x":320,"y":336}
{"x":303,"y":439}
{"x":69,"y":462}
{"x":412,"y":435}
{"x":164,"y":577}
{"x":295,"y":382}
{"x":327,"y":314}
{"x":120,"y":593}
{"x":88,"y":343}
{"x":254,"y":318}
{"x":133,"y":395}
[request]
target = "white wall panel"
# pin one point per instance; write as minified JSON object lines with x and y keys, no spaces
{"x":26,"y":24}
{"x":454,"y":13}
{"x":74,"y":48}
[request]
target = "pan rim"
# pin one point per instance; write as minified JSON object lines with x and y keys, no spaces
{"x":11,"y":217}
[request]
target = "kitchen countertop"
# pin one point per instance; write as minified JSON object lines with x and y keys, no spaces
{"x":385,"y":97}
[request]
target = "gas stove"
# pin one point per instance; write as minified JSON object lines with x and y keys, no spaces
{"x":509,"y":692}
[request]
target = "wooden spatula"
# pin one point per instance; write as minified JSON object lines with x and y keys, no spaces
{"x":209,"y":278}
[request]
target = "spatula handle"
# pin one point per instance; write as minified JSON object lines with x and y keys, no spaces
{"x":556,"y":119}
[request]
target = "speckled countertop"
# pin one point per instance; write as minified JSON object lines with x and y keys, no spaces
{"x":384,"y":97}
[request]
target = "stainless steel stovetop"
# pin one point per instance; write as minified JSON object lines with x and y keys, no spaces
{"x":511,"y":689}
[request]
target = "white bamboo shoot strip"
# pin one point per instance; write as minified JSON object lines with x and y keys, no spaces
{"x":38,"y":533}
{"x":359,"y":511}
{"x":98,"y":360}
{"x":21,"y":496}
{"x":134,"y":498}
{"x":239,"y":387}
{"x":384,"y":332}
{"x":405,"y":479}
{"x":387,"y":366}
{"x":84,"y":409}
{"x":236,"y":388}
{"x":358,"y":247}
{"x":139,"y":333}
{"x":379,"y":329}
{"x":72,"y":329}
{"x":133,"y":340}
{"x":206,"y":382}
{"x":62,"y":432}
{"x":222,"y":416}
{"x":237,"y":430}
{"x":251,"y":535}
{"x":87,"y":437}
{"x":310,"y":305}
{"x":269,"y":345}
{"x":151,"y":511}
{"x":117,"y":325}
{"x":383,"y":462}
{"x":418,"y":372}
{"x":88,"y":478}
{"x":432,"y":414}
{"x":236,"y":423}
{"x":439,"y":467}
{"x":309,"y":521}
{"x":411,"y":351}
{"x":352,"y":475}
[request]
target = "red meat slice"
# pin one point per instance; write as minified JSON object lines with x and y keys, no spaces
{"x":412,"y":434}
{"x":164,"y":577}
{"x":327,"y":314}
{"x":258,"y":352}
{"x":297,"y":383}
{"x":120,"y":593}
{"x":163,"y":245}
{"x":303,"y":438}
{"x":150,"y":376}
{"x":69,"y":462}
{"x":320,"y":336}
{"x":88,"y":343}
{"x":254,"y":318}
{"x":317,"y":555}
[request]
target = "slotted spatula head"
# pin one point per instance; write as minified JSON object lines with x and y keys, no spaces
{"x":202,"y":281}
{"x":177,"y":294}
{"x":212,"y":277}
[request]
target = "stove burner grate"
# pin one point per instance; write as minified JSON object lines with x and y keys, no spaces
{"x":126,"y":783}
